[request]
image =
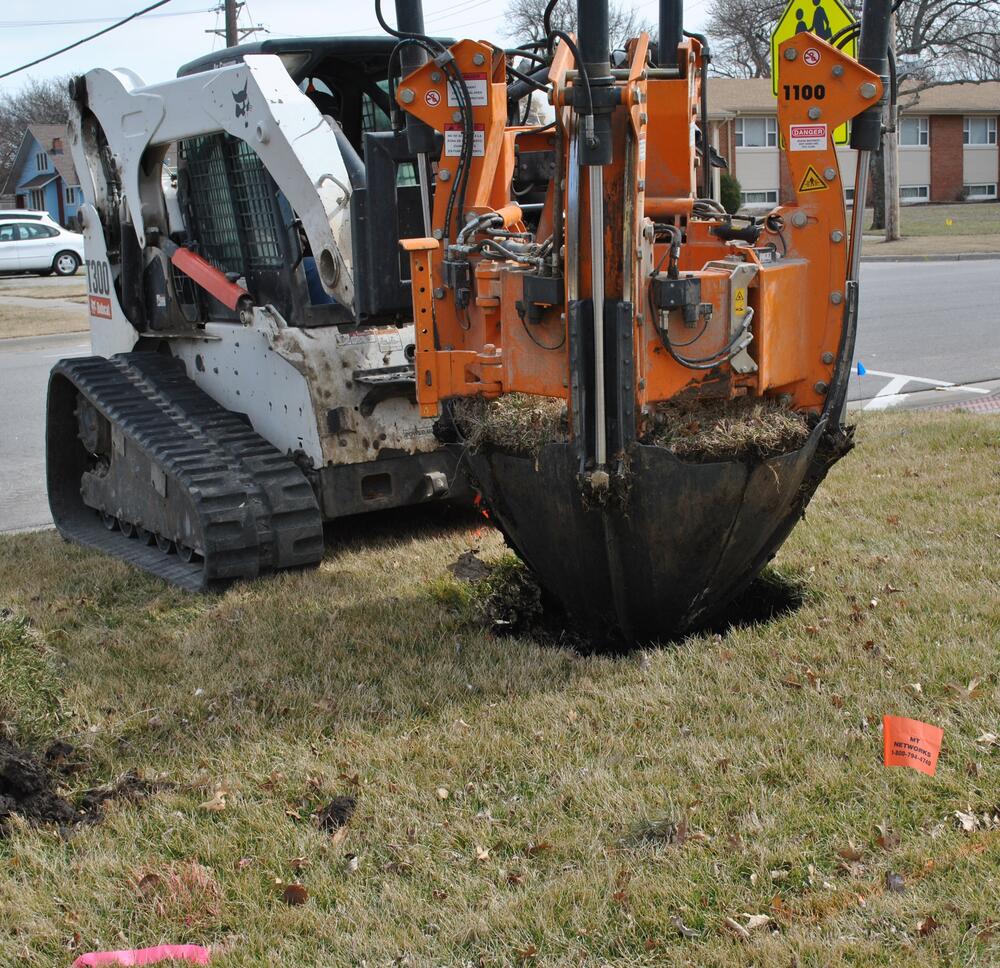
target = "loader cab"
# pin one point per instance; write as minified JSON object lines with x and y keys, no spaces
{"x":346,"y":78}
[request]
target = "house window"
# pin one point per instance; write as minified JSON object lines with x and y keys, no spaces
{"x":37,"y":199}
{"x":914,"y":132}
{"x":71,"y":196}
{"x":914,"y":193}
{"x":756,"y":132}
{"x":42,"y":161}
{"x":975,"y":192}
{"x":979,"y":131}
{"x":759,"y":198}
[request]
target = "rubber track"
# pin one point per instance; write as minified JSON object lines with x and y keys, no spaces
{"x":255,"y":510}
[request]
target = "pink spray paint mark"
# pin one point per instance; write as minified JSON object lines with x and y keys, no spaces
{"x":192,"y":953}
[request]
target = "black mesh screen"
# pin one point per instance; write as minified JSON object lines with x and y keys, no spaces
{"x":232,"y":201}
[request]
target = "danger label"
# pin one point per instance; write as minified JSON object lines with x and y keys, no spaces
{"x":807,"y":137}
{"x":811,"y":182}
{"x":909,"y":742}
{"x":100,"y":306}
{"x":476,"y":83}
{"x":453,"y":139}
{"x":811,"y":57}
{"x":740,"y":301}
{"x":433,"y":98}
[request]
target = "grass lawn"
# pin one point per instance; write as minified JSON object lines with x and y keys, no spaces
{"x":944,"y":221}
{"x":518,"y":802}
{"x":41,"y":320}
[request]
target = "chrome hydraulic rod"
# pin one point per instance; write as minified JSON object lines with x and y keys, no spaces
{"x":425,"y":195}
{"x":858,"y":213}
{"x":596,"y":178}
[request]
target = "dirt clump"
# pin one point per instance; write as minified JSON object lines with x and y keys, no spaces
{"x":29,"y":788}
{"x":516,"y":423}
{"x":745,"y":429}
{"x":337,"y":813}
{"x":468,"y":566}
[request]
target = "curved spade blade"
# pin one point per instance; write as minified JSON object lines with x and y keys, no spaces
{"x":678,"y":544}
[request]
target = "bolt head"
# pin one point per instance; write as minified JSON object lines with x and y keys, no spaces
{"x":444,"y":174}
{"x":868,"y":89}
{"x":438,"y":234}
{"x":836,"y":298}
{"x":478,"y":60}
{"x":838,"y":70}
{"x":837,"y":236}
{"x":799,"y":220}
{"x":456,"y":115}
{"x":791,"y":54}
{"x":814,"y":113}
{"x":829,"y":174}
{"x":821,"y":388}
{"x":827,"y":357}
{"x":436,"y":77}
{"x":406,"y":95}
{"x":439,"y":293}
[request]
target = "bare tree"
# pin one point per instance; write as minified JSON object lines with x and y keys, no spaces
{"x":43,"y":102}
{"x":524,"y":20}
{"x":937,"y":40}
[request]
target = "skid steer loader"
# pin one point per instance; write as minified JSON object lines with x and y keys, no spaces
{"x":358,"y":224}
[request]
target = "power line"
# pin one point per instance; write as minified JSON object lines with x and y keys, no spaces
{"x":96,"y":20}
{"x":99,"y":33}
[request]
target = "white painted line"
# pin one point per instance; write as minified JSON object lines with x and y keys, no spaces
{"x":889,"y":395}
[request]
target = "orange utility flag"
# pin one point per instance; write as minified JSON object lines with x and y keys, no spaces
{"x":909,"y":742}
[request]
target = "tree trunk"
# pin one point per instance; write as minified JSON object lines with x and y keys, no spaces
{"x":890,"y":150}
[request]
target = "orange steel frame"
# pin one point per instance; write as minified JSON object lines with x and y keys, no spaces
{"x":797,"y":299}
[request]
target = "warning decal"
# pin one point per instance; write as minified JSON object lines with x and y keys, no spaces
{"x":453,"y":139}
{"x":476,"y":83}
{"x":807,"y":137}
{"x":740,"y":301}
{"x":811,"y":182}
{"x":100,"y":306}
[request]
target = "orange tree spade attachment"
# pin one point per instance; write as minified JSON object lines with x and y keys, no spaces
{"x":629,"y":289}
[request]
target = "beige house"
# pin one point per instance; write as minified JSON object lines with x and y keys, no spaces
{"x":948,"y":145}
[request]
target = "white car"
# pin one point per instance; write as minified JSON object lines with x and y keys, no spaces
{"x":39,"y":245}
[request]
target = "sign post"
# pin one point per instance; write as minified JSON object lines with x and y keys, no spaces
{"x":825,"y":19}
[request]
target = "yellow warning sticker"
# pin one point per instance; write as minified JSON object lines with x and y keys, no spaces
{"x":740,"y":301}
{"x":811,"y":182}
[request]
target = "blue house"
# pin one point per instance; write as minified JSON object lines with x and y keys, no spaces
{"x":43,"y":175}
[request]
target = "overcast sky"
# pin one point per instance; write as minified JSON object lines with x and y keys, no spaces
{"x":155,"y":45}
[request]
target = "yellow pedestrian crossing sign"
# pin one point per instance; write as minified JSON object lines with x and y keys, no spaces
{"x":824,"y":18}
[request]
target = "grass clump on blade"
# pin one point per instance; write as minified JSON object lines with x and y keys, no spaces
{"x":518,"y":423}
{"x":714,"y":430}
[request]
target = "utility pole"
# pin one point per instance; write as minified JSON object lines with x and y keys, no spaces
{"x":891,"y":150}
{"x":234,"y":33}
{"x":232,"y":36}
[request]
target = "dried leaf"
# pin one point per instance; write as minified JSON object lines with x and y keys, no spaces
{"x":572,"y":716}
{"x":482,"y":854}
{"x":683,"y":930}
{"x":971,"y":691}
{"x":527,"y":954}
{"x":988,"y":739}
{"x":442,"y":793}
{"x":295,"y":894}
{"x":216,"y":805}
{"x":927,"y":926}
{"x":850,"y":853}
{"x":351,"y":863}
{"x":537,"y":847}
{"x":756,"y":922}
{"x":299,"y":863}
{"x":887,"y":838}
{"x":734,"y":927}
{"x":515,"y":879}
{"x":967,"y":821}
{"x":439,"y":895}
{"x":148,"y":884}
{"x":338,"y":837}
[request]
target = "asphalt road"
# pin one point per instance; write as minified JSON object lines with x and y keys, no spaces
{"x":921,"y":324}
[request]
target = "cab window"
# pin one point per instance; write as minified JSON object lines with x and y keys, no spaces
{"x":8,"y":233}
{"x":37,"y":232}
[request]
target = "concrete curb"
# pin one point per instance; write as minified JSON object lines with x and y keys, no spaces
{"x":952,"y":257}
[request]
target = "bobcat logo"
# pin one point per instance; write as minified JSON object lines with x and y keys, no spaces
{"x":242,"y":102}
